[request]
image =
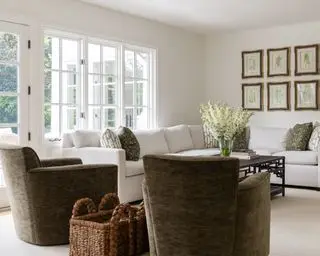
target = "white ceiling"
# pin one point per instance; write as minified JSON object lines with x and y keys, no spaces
{"x":213,"y":15}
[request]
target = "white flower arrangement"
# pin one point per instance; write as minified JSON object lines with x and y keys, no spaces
{"x":224,"y":121}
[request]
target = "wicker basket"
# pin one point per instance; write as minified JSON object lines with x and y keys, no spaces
{"x":114,"y":230}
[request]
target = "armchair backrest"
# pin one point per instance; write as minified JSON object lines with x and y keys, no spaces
{"x":191,"y":204}
{"x":16,"y":161}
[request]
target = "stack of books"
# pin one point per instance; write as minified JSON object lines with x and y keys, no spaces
{"x":245,"y":154}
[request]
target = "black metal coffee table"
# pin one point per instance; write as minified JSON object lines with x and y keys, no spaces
{"x":272,"y":164}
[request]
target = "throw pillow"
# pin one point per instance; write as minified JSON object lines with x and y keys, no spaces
{"x":298,"y":137}
{"x":109,"y":139}
{"x":209,"y":139}
{"x":129,"y":143}
{"x":241,"y":140}
{"x":314,"y":142}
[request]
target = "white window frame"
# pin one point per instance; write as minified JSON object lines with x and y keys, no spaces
{"x":65,"y":36}
{"x":83,"y":73}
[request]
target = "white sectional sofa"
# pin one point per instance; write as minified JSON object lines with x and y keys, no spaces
{"x":187,"y":140}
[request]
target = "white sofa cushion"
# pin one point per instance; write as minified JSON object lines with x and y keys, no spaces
{"x":198,"y":152}
{"x":134,"y":168}
{"x":86,"y":138}
{"x":151,"y":141}
{"x":299,"y":157}
{"x":267,"y":137}
{"x":197,"y":136}
{"x":266,"y":151}
{"x":67,"y":141}
{"x":178,"y":138}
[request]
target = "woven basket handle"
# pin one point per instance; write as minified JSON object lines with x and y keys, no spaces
{"x":109,"y":202}
{"x":83,"y":206}
{"x":122,"y":211}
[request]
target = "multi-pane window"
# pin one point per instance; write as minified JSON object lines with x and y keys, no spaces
{"x":136,"y":88}
{"x":103,"y":105}
{"x":61,"y":84}
{"x":96,"y":84}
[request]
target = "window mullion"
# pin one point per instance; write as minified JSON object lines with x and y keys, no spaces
{"x":122,"y":91}
{"x":60,"y":88}
{"x":101,"y":89}
{"x":85,"y":97}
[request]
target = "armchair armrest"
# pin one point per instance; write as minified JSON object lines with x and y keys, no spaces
{"x":74,"y":168}
{"x":59,"y":162}
{"x":253,"y":216}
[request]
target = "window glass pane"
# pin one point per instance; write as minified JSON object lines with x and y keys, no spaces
{"x":69,"y":54}
{"x":94,"y":57}
{"x":142,"y":65}
{"x":8,"y":78}
{"x":52,"y":121}
{"x":129,"y":117}
{"x":128,"y":92}
{"x":109,"y":61}
{"x":70,"y":89}
{"x":8,"y":109}
{"x":51,"y":52}
{"x":94,"y":118}
{"x":8,"y":46}
{"x":109,"y":90}
{"x":94,"y":89}
{"x":69,"y":118}
{"x":129,"y":63}
{"x":109,"y":117}
{"x":51,"y":87}
{"x":141,"y":93}
{"x":142,"y":118}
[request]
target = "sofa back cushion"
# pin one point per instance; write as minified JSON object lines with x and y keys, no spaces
{"x":267,"y":138}
{"x":86,"y":138}
{"x":67,"y":141}
{"x":178,"y":138}
{"x":152,"y":141}
{"x":197,"y":136}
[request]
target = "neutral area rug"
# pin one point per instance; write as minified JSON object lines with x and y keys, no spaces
{"x":295,"y":229}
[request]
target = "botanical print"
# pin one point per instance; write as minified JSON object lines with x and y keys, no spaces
{"x":306,"y":94}
{"x":252,"y":64}
{"x":306,"y":59}
{"x":251,"y":96}
{"x":278,"y":62}
{"x":278,"y":96}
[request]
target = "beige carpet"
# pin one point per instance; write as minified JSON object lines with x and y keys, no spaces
{"x":295,"y":229}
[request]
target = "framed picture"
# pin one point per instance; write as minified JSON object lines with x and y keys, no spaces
{"x":306,"y":60}
{"x":252,"y":96}
{"x":252,"y":64}
{"x":306,"y":95}
{"x":279,"y":96}
{"x":278,"y":62}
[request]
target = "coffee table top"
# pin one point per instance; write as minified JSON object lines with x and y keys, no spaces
{"x":258,"y":161}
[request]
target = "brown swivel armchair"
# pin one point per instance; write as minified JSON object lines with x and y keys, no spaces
{"x":42,"y":192}
{"x":196,"y":206}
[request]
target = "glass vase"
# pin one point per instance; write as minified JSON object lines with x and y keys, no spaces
{"x":225,"y":147}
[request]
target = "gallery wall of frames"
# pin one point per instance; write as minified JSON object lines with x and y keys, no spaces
{"x":278,"y":76}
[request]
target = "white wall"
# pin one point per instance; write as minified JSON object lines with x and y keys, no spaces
{"x":181,"y":56}
{"x":223,"y":68}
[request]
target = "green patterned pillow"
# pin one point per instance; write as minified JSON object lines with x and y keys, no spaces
{"x":241,"y":141}
{"x":109,"y":139}
{"x":129,"y":143}
{"x":298,"y":137}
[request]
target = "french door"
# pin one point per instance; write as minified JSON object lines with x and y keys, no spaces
{"x":14,"y":82}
